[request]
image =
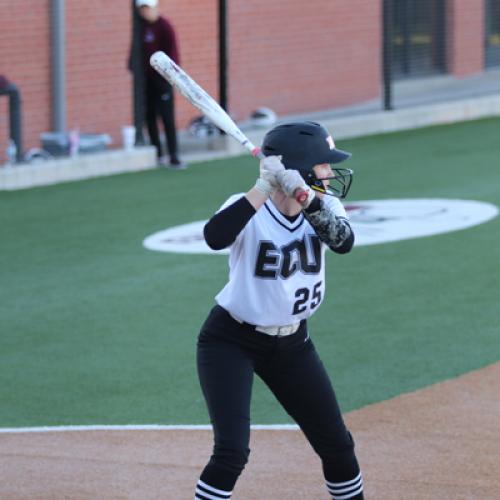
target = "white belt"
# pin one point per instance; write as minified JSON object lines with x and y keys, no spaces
{"x":278,"y":331}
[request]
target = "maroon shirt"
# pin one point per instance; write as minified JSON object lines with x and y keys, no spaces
{"x":3,"y":82}
{"x":156,"y":36}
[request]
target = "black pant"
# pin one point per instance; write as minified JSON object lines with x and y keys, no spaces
{"x":228,"y":355}
{"x":160,"y":102}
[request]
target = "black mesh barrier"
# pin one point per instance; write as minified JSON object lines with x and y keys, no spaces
{"x":492,"y":33}
{"x":418,"y":38}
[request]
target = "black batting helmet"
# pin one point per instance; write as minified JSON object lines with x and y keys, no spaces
{"x":302,"y":145}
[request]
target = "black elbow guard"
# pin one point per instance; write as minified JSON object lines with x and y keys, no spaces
{"x":346,"y":246}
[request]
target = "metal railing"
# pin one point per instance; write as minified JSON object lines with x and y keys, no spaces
{"x":15,"y":117}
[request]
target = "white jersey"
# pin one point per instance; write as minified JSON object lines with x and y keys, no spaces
{"x":276,"y":269}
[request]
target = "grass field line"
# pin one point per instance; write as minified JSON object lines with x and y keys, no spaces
{"x":152,"y":427}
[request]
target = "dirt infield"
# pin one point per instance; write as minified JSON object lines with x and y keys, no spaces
{"x":437,"y":443}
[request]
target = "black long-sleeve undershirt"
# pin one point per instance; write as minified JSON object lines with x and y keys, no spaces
{"x":224,"y":226}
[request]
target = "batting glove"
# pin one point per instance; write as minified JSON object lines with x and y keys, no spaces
{"x":291,"y":182}
{"x":270,"y":167}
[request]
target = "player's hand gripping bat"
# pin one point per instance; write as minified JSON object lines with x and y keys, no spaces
{"x":206,"y":104}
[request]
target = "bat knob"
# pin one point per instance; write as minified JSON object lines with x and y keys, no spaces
{"x":301,"y":196}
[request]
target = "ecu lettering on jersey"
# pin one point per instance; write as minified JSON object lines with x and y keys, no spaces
{"x":276,"y":269}
{"x":273,"y":262}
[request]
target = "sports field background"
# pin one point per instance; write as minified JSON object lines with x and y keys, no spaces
{"x":95,"y":329}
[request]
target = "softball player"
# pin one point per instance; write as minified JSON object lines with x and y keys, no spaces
{"x":259,"y":325}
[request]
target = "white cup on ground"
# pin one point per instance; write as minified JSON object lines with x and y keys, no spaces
{"x":128,"y":137}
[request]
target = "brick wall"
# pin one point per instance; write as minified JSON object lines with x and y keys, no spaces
{"x":98,"y":84}
{"x":292,"y":56}
{"x":465,"y":26}
{"x":24,"y":60}
{"x":196,"y":25}
{"x":303,"y":56}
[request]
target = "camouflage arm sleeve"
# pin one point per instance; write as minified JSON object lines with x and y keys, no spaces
{"x":334,"y":230}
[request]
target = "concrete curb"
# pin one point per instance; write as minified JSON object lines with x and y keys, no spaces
{"x":379,"y":122}
{"x":84,"y":166}
{"x":417,"y":117}
{"x":343,"y":127}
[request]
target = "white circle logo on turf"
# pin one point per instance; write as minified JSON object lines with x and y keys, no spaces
{"x":374,"y":221}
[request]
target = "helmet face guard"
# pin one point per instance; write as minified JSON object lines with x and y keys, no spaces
{"x":302,"y":146}
{"x":338,"y":186}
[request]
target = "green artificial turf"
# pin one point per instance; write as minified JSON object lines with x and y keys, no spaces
{"x":95,"y":329}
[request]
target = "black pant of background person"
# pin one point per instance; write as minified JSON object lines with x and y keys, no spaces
{"x":160,"y":103}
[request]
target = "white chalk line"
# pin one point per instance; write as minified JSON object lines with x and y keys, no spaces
{"x":153,"y":427}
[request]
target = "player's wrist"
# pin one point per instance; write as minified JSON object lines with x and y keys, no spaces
{"x":314,"y":205}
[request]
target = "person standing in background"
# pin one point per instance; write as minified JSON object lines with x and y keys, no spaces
{"x":158,"y":34}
